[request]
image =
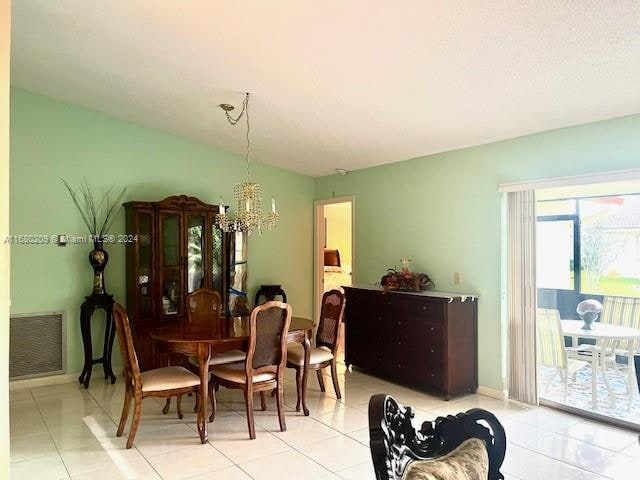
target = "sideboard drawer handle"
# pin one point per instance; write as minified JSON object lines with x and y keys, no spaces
{"x":424,"y":307}
{"x":431,"y":329}
{"x":432,"y":350}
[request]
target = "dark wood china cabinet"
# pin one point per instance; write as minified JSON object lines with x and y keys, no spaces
{"x":176,"y":248}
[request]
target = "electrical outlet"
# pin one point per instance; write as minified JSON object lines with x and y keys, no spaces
{"x":457,"y":278}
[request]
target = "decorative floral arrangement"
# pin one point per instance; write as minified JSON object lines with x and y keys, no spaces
{"x":98,"y":214}
{"x":405,"y":279}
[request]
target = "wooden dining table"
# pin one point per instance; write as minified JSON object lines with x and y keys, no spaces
{"x":224,"y":334}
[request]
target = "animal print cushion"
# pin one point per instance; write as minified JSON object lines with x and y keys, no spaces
{"x":467,"y":462}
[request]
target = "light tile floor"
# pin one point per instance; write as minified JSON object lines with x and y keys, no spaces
{"x":64,"y":431}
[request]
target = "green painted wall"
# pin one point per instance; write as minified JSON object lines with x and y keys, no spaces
{"x":444,"y":211}
{"x":51,"y":139}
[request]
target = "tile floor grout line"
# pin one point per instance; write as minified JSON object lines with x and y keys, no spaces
{"x":123,"y":433}
{"x":357,"y":390}
{"x":266,"y":432}
{"x":582,"y":470}
{"x":306,"y":456}
{"x":233,"y":463}
{"x":34,"y":435}
{"x":549,"y":432}
{"x":55,"y":444}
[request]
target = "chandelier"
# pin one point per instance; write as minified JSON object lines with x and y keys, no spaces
{"x":248,"y":195}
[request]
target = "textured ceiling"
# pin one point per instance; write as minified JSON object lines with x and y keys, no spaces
{"x":336,"y":84}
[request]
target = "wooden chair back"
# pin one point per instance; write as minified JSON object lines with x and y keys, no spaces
{"x":203,"y":307}
{"x":125,"y":340}
{"x":550,"y":344}
{"x":394,"y":442}
{"x":267,"y":293}
{"x":331,"y":313}
{"x":268,"y":329}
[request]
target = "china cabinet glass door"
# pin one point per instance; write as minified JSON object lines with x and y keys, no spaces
{"x":170,"y":263}
{"x":145,"y":258}
{"x":195,"y":252}
{"x":217,"y":259}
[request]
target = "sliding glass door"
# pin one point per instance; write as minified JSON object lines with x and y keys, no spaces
{"x":588,"y":312}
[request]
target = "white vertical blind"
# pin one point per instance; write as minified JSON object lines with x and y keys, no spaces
{"x":521,"y":296}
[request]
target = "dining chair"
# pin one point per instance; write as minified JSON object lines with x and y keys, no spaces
{"x":551,"y":350}
{"x":263,"y":369}
{"x":204,"y":309}
{"x":325,"y":352}
{"x":267,"y":293}
{"x":159,"y":382}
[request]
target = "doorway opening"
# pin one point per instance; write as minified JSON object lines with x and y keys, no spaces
{"x":334,"y":247}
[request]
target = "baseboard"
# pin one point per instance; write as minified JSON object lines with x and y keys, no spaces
{"x":43,"y":381}
{"x":492,"y":392}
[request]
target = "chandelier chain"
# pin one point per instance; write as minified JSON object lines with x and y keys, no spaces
{"x":234,"y":121}
{"x":248,"y":195}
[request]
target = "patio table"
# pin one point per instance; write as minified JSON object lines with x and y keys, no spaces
{"x":606,"y":336}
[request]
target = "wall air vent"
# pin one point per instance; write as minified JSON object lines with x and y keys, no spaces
{"x":37,"y":345}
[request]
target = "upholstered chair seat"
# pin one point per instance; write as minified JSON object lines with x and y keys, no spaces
{"x":466,"y":446}
{"x":160,"y":382}
{"x":168,"y":378}
{"x":232,"y":356}
{"x":326,"y":349}
{"x":467,"y":462}
{"x":235,"y":372}
{"x":263,"y":368}
{"x":295,"y":354}
{"x":204,"y":309}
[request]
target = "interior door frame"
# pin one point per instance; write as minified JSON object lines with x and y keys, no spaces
{"x":318,"y":246}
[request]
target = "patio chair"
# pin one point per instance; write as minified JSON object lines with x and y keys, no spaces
{"x":551,"y":350}
{"x":619,"y":311}
{"x":624,"y":312}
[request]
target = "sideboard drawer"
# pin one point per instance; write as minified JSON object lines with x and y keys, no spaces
{"x":426,"y":308}
{"x":411,"y":338}
{"x":433,"y":377}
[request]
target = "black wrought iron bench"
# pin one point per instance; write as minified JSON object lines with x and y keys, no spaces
{"x":467,"y":446}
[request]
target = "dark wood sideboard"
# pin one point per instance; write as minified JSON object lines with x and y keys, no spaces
{"x":427,"y":340}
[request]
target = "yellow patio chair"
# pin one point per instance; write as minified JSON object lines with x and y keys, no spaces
{"x":551,"y":349}
{"x":624,"y":312}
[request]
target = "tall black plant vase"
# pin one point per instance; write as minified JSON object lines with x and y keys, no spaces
{"x":99,"y":298}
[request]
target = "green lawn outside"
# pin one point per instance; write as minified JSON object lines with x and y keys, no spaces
{"x":618,"y":286}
